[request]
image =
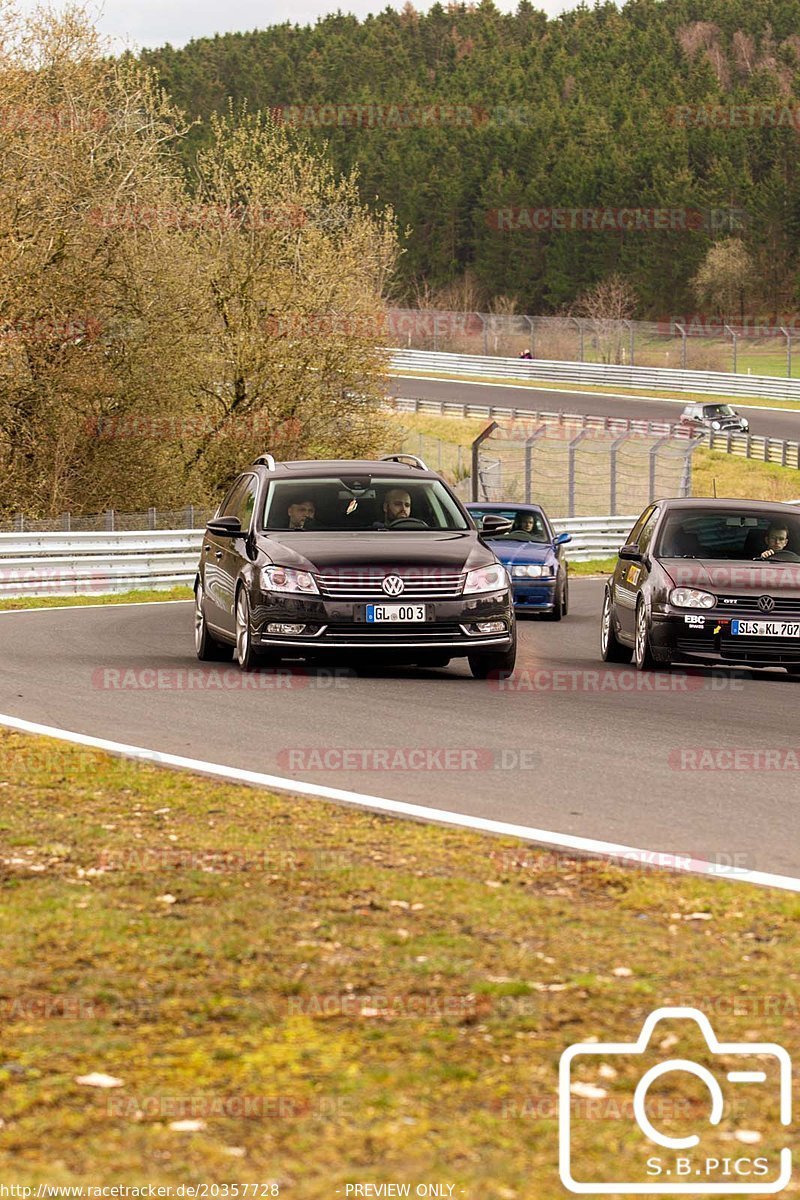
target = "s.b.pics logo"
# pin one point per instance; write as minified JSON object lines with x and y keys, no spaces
{"x":704,"y":1115}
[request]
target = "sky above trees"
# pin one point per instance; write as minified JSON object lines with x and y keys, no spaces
{"x":154,"y":22}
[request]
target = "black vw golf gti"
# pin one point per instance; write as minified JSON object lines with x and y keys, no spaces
{"x":361,"y":558}
{"x":710,"y":580}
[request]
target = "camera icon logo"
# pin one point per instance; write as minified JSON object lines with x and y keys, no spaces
{"x":687,"y":1115}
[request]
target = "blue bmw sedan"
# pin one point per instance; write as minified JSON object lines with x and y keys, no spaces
{"x":532,"y":553}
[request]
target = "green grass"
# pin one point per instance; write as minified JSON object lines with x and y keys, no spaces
{"x":142,"y":596}
{"x":396,"y":994}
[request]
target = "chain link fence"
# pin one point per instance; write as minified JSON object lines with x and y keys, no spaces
{"x":693,"y":343}
{"x":191,"y":516}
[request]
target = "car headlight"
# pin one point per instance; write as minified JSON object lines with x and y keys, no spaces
{"x":745,"y":423}
{"x":691,"y":598}
{"x":534,"y":571}
{"x":285,"y":579}
{"x":715,"y":425}
{"x":485,"y":579}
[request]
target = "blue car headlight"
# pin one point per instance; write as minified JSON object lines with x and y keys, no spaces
{"x":532,"y":571}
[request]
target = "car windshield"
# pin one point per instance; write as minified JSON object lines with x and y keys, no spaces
{"x":731,"y":535}
{"x":719,"y":410}
{"x":350,"y":504}
{"x":528,"y":525}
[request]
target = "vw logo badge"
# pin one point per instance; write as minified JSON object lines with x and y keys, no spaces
{"x":393,"y":585}
{"x":766,"y":603}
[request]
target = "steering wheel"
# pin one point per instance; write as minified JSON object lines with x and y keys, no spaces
{"x":408,"y":523}
{"x":779,"y":556}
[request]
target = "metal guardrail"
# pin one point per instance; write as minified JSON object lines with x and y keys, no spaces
{"x":715,"y":383}
{"x":85,"y":564}
{"x":744,"y":445}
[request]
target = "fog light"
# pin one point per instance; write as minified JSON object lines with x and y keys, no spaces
{"x":283,"y":627}
{"x":491,"y":626}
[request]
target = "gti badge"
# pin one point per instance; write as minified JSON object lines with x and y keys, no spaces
{"x":393,"y":585}
{"x":766,"y":603}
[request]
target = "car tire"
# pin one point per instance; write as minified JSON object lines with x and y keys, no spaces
{"x":560,"y":603}
{"x":246,"y":656}
{"x":207,"y":647}
{"x":643,"y":658}
{"x":565,"y":609}
{"x":497,"y":664}
{"x":611,"y":650}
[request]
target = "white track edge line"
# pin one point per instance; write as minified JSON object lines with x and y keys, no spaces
{"x":636,"y":857}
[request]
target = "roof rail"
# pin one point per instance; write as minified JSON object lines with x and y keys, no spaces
{"x":265,"y":460}
{"x":413,"y":460}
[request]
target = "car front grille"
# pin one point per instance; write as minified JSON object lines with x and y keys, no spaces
{"x":749,"y":604}
{"x":376,"y":632}
{"x":760,"y":649}
{"x":423,"y":584}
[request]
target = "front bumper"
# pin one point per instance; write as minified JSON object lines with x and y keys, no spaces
{"x":708,"y":637}
{"x":534,"y":595}
{"x":342,"y":625}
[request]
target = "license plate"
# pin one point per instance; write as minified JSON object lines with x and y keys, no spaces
{"x":396,"y":612}
{"x":765,"y":628}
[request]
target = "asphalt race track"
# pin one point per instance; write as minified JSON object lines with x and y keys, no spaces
{"x":777,"y":423}
{"x":569,"y":745}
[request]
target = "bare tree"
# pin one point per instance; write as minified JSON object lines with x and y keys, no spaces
{"x":605,"y":309}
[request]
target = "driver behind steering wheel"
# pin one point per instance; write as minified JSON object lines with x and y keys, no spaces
{"x":396,"y":506}
{"x":777,"y":540}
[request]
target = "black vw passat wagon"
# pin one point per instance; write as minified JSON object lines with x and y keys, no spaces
{"x":355,"y":557}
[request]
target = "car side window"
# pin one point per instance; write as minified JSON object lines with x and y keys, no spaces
{"x":646,"y":535}
{"x":245,"y":501}
{"x":636,"y":532}
{"x":230,"y":505}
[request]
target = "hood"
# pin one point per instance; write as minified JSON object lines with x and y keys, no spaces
{"x":312,"y":551}
{"x":736,"y":577}
{"x":510,"y":553}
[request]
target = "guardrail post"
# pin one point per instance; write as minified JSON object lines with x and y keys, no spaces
{"x":747,"y":446}
{"x":573,"y":446}
{"x":109,"y":519}
{"x":151,"y":518}
{"x":476,"y":445}
{"x":529,"y":444}
{"x":19,"y":523}
{"x":66,"y":521}
{"x":654,"y":449}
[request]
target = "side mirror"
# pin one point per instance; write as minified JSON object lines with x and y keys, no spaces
{"x":225,"y":526}
{"x":561,"y":539}
{"x":630,"y":552}
{"x":494,"y":523}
